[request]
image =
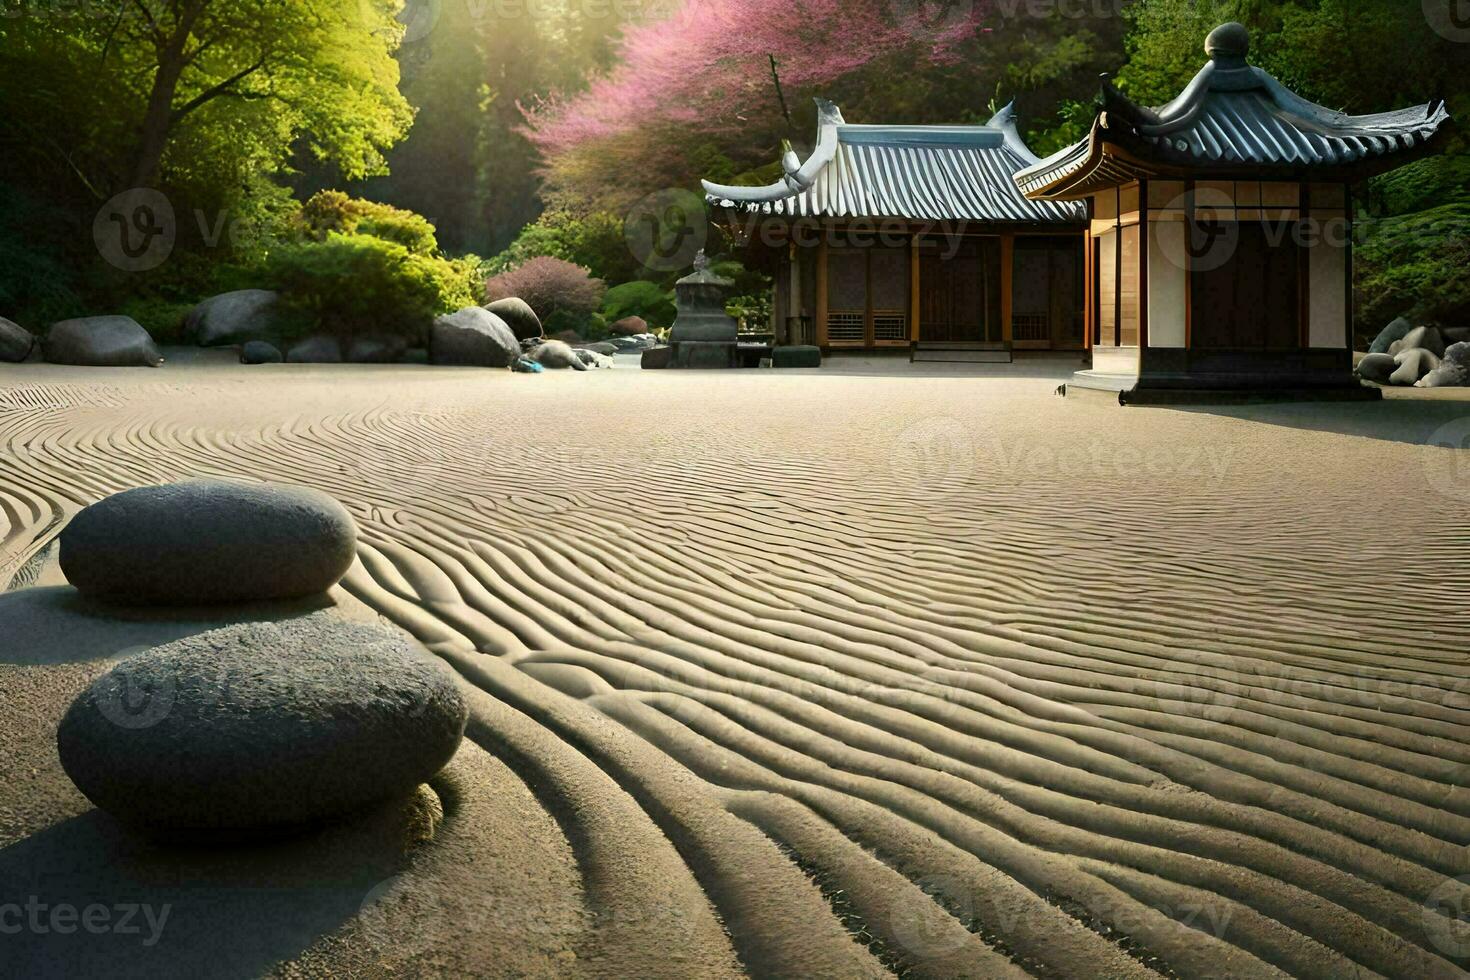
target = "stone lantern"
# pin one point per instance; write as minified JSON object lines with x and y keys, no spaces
{"x":703,"y":335}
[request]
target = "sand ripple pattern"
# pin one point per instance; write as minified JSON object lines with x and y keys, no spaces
{"x":901,"y":676}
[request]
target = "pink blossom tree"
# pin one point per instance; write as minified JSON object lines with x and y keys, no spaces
{"x":701,"y":77}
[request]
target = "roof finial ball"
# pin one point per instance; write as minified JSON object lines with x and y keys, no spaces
{"x":1228,"y":44}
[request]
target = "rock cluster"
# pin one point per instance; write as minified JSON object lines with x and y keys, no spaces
{"x":262,"y":728}
{"x":519,"y":316}
{"x":473,"y":337}
{"x":206,"y":541}
{"x":1424,"y":356}
{"x":257,"y":728}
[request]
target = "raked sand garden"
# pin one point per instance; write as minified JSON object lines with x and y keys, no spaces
{"x":873,"y":670}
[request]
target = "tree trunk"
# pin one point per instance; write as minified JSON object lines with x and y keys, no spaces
{"x":158,"y":118}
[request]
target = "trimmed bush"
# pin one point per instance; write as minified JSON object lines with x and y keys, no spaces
{"x":1414,"y":265}
{"x":639,"y":298}
{"x":329,"y":212}
{"x":554,"y":288}
{"x":357,"y":285}
{"x":162,"y":318}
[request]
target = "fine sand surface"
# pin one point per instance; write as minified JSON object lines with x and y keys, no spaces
{"x":874,"y":670}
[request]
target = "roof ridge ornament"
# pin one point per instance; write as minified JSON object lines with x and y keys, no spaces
{"x":1229,"y":44}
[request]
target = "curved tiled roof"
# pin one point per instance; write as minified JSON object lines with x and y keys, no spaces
{"x":1233,"y":118}
{"x":921,"y":173}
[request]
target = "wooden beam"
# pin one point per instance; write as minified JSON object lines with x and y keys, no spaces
{"x":822,"y":293}
{"x":1007,"y":271}
{"x":913,"y":290}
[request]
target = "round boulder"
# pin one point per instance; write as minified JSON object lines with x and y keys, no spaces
{"x":518,"y":315}
{"x":259,"y":729}
{"x":233,"y":318}
{"x":101,"y":341}
{"x":375,"y":350}
{"x":628,"y":326}
{"x":1376,"y":367}
{"x":1395,"y":331}
{"x":473,"y":337}
{"x":16,"y":341}
{"x":206,"y":541}
{"x":259,"y":352}
{"x":1412,"y":365}
{"x":318,"y":349}
{"x":555,"y":354}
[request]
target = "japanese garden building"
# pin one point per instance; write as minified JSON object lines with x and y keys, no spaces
{"x":913,"y":237}
{"x":1219,"y":249}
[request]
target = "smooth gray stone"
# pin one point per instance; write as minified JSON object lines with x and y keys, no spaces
{"x":259,"y":352}
{"x":1458,"y":353}
{"x":101,"y":341}
{"x":1426,"y":338}
{"x":205,"y":541}
{"x":1377,"y":367}
{"x":374,"y":350}
{"x":555,"y":354}
{"x":1412,"y":364}
{"x":261,"y":728}
{"x":519,"y":316}
{"x":317,"y":349}
{"x":233,"y":318}
{"x":473,"y":337}
{"x":1394,"y":331}
{"x":592,"y":358}
{"x":16,"y":341}
{"x":655,"y":358}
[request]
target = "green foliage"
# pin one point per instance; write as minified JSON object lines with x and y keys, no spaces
{"x":38,"y":281}
{"x":162,"y":318}
{"x":1414,"y":264}
{"x":639,"y":298}
{"x":594,"y":241}
{"x":358,"y":285}
{"x":327,"y":212}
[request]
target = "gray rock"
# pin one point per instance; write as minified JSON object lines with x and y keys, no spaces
{"x":473,"y":337}
{"x":1449,"y":374}
{"x":206,"y":541}
{"x":656,"y":358}
{"x":602,"y":347}
{"x":233,"y":318}
{"x":1454,"y":335}
{"x":375,"y":350}
{"x":518,"y":315}
{"x":555,"y":354}
{"x":259,"y":352}
{"x":1394,"y":331}
{"x":1426,"y":337}
{"x":1412,"y":365}
{"x":16,"y":342}
{"x":261,"y":729}
{"x":1458,"y":353}
{"x":593,"y":359}
{"x":101,"y":341}
{"x":316,"y":349}
{"x":1377,"y":367}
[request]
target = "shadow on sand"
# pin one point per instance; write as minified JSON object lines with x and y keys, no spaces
{"x":86,"y":897}
{"x":1419,"y":422}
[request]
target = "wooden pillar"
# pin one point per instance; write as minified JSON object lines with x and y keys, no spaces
{"x":822,"y":293}
{"x":1089,"y":285}
{"x":1007,"y":272}
{"x":914,"y":290}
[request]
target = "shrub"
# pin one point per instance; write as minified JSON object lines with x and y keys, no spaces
{"x":358,"y":285}
{"x":1414,"y":264}
{"x":639,"y":298}
{"x":595,"y":241}
{"x":551,"y":286}
{"x":327,"y":212}
{"x":162,"y":318}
